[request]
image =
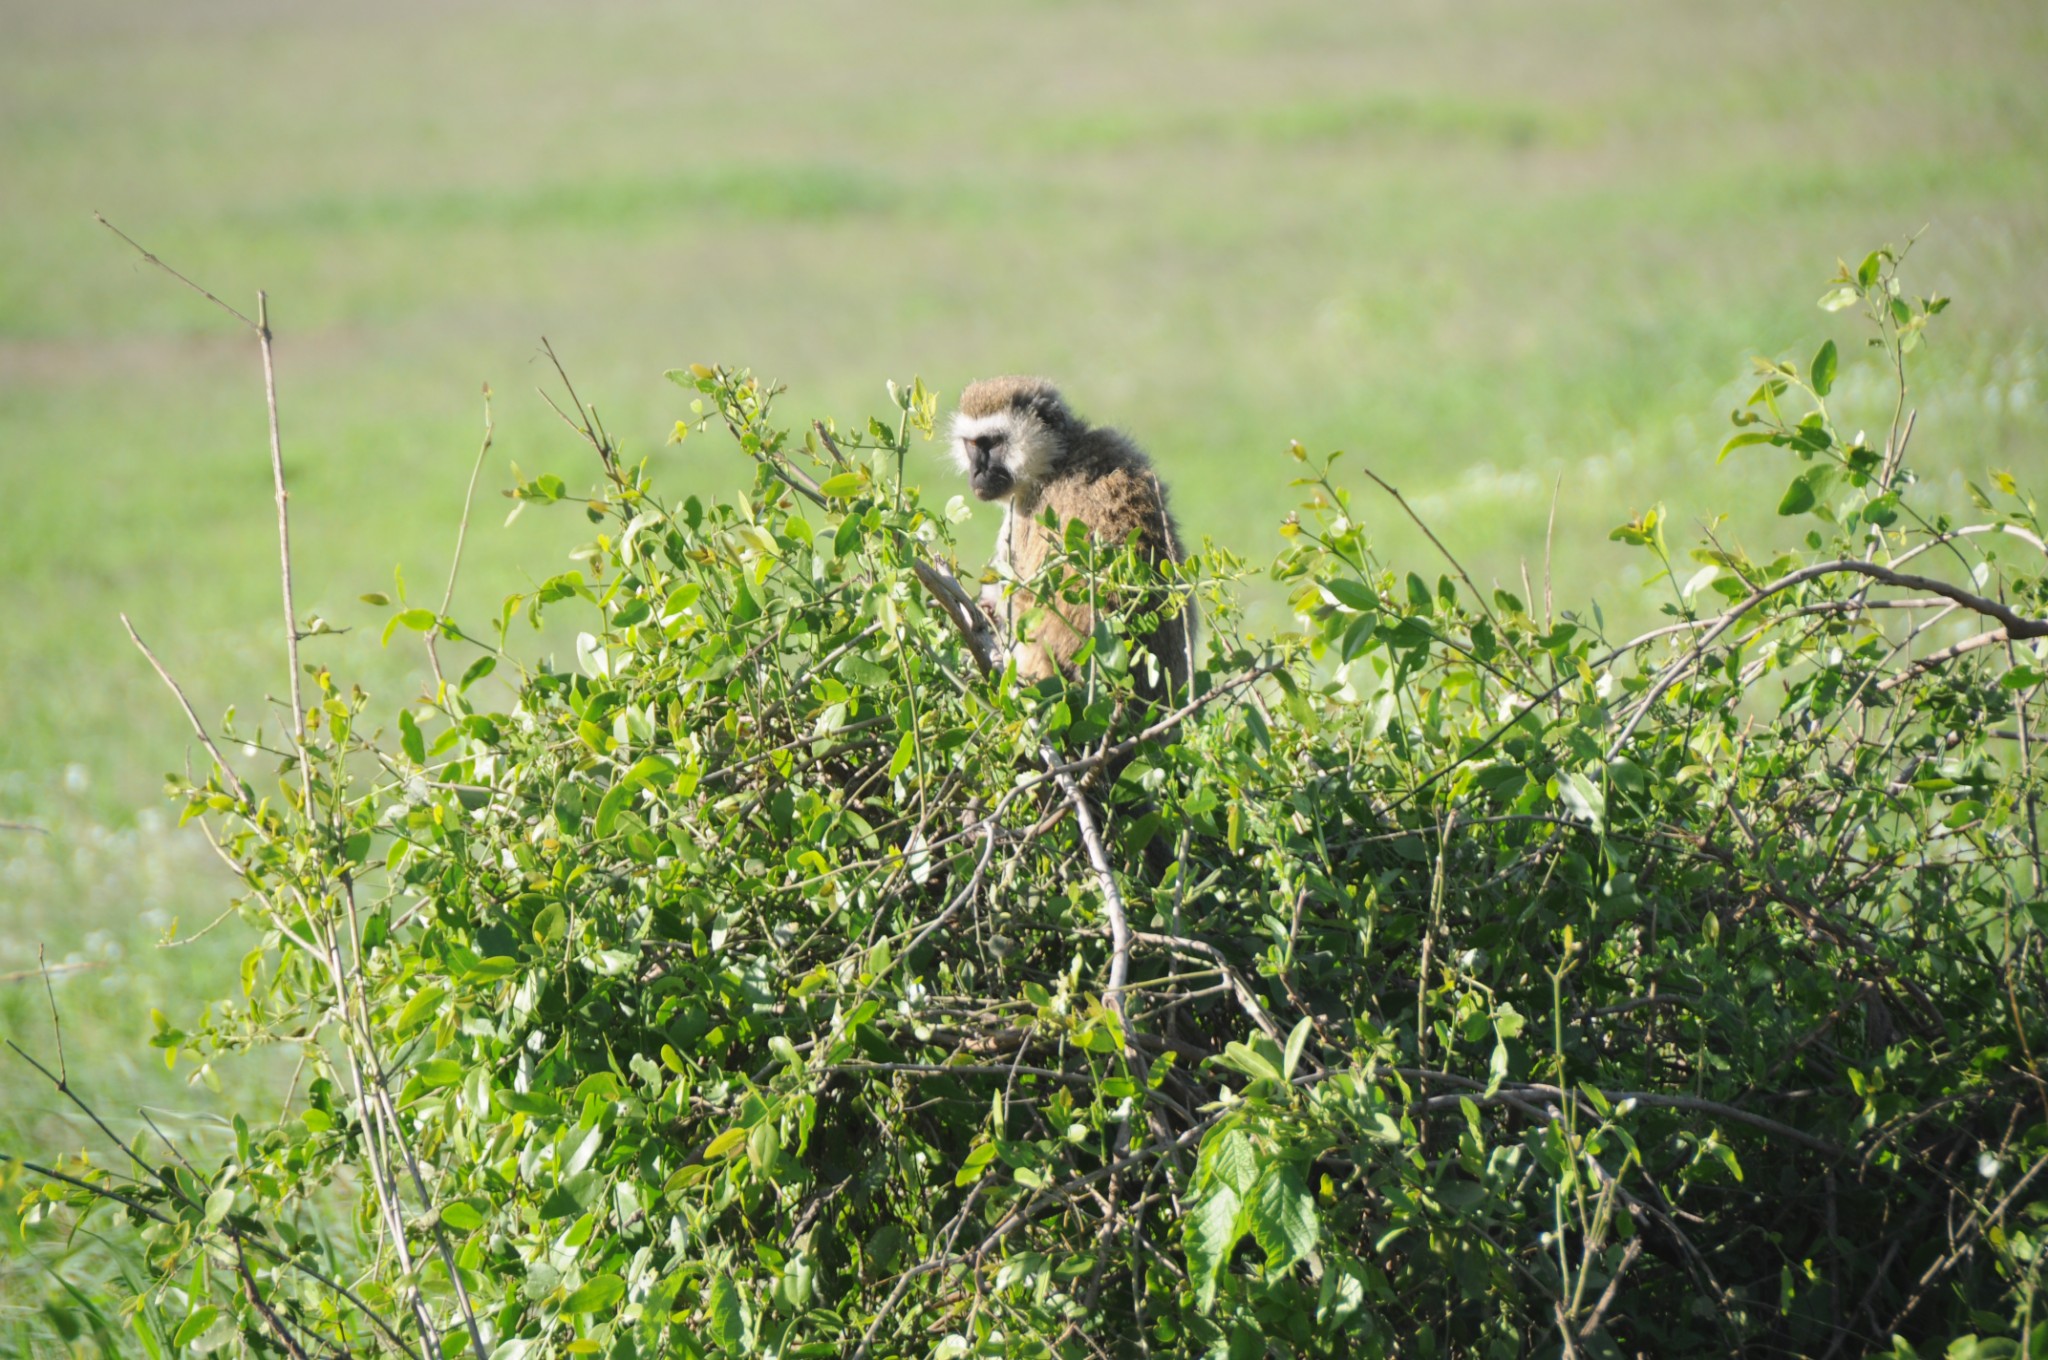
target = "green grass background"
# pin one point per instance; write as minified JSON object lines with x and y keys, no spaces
{"x":1490,"y":249}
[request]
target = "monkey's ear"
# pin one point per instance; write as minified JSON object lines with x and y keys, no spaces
{"x":1047,"y":407}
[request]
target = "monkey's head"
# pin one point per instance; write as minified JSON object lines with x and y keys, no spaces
{"x":1010,"y":432}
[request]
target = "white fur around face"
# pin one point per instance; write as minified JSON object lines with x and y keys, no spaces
{"x":1028,"y":450}
{"x":967,"y":429}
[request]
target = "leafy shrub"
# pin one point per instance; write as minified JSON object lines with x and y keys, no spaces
{"x":1447,"y":977}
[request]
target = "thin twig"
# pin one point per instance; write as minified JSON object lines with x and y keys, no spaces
{"x":2017,"y":626}
{"x":1477,"y":598}
{"x":220,"y":761}
{"x":284,"y":545}
{"x":1606,"y":1299}
{"x":268,"y":1314}
{"x":57,"y":1025}
{"x":1549,"y":536}
{"x":1242,"y":993}
{"x":1112,"y":898}
{"x":1965,"y":1242}
{"x":461,"y":534}
{"x":27,"y":974}
{"x":149,"y":258}
{"x":289,"y":1262}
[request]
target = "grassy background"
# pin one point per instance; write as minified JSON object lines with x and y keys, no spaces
{"x":1490,"y":249}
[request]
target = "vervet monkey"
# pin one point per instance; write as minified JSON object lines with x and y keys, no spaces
{"x":1018,"y":443}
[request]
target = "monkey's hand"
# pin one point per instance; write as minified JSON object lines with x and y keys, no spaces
{"x":993,"y":605}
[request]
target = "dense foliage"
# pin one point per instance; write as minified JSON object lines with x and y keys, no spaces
{"x":1447,"y":977}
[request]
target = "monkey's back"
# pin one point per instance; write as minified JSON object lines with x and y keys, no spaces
{"x":1111,"y":488}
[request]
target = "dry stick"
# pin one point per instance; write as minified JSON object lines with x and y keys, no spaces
{"x":1239,"y":991}
{"x":1934,"y":660}
{"x":27,"y":974}
{"x":284,"y":547}
{"x":382,"y":1179}
{"x":461,"y":533}
{"x":386,"y":1183}
{"x":234,"y":780}
{"x":960,"y":899}
{"x":1112,"y":901}
{"x":261,"y":326}
{"x":394,"y":1130}
{"x":269,"y":1315}
{"x":63,"y":1071}
{"x":1463,"y":575}
{"x":1508,"y":1090}
{"x":148,"y":258}
{"x":1950,"y":536}
{"x":1436,"y":910}
{"x":1549,"y":536}
{"x":28,"y":827}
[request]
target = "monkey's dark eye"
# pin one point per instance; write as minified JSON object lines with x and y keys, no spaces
{"x":985,"y":442}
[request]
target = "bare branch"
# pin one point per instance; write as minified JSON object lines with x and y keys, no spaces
{"x":2017,"y":626}
{"x":1202,"y":949}
{"x":284,"y":544}
{"x":1112,"y":898}
{"x":461,"y":534}
{"x":149,"y":258}
{"x":219,"y":760}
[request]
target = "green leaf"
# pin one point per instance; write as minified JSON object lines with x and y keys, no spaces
{"x":409,"y":737}
{"x":478,"y":669}
{"x":1583,"y":799}
{"x":461,"y":1216}
{"x":615,"y":801}
{"x":1227,"y":1156}
{"x":195,"y":1325}
{"x":906,"y":751}
{"x":1211,"y":1230}
{"x":1352,"y":595}
{"x":1248,"y":1060}
{"x":424,"y":1003}
{"x":1824,"y":369}
{"x":976,"y":1164}
{"x":726,"y":1312}
{"x":219,"y":1203}
{"x":745,"y":609}
{"x":491,"y":969}
{"x":419,"y":620}
{"x":437,"y":1072}
{"x":1283,"y":1217}
{"x":1798,"y":499}
{"x":843,"y":486}
{"x":1296,"y":1041}
{"x":597,"y":1295}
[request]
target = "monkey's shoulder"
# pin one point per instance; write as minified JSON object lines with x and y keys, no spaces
{"x":1114,"y":496}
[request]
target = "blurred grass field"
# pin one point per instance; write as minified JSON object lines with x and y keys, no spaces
{"x":1489,"y":249}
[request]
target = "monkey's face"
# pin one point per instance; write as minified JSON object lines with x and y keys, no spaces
{"x":999,"y":451}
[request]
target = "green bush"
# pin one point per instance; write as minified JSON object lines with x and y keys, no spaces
{"x":1448,"y":977}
